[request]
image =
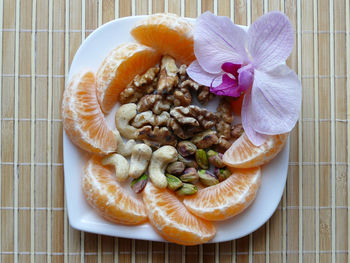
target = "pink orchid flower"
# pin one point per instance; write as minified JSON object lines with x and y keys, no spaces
{"x":231,"y":60}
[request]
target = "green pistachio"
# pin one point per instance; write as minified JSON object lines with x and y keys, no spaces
{"x":190,"y":176}
{"x":202,"y":159}
{"x":174,"y":182}
{"x":138,"y":184}
{"x":215,"y":159}
{"x":186,"y":148}
{"x":176,"y":168}
{"x":187,"y":189}
{"x":207,"y":178}
{"x":189,"y":162}
{"x":222,"y":173}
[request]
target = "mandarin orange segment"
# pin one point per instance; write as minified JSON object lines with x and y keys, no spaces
{"x":171,"y":219}
{"x":244,"y":154}
{"x":83,"y":119}
{"x":108,"y":197}
{"x":170,"y":34}
{"x":226,"y":199}
{"x":119,"y":68}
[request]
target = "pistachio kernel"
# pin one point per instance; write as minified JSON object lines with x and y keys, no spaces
{"x":215,"y":159}
{"x":207,"y":178}
{"x":176,"y":168}
{"x":186,"y":148}
{"x":190,"y":176}
{"x":174,"y":182}
{"x":188,"y":162}
{"x":202,"y":159}
{"x":138,"y":184}
{"x":187,"y":189}
{"x":222,"y":173}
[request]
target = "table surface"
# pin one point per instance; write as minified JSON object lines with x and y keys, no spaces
{"x":37,"y":43}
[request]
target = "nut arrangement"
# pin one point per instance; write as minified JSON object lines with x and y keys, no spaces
{"x":182,"y":143}
{"x":160,"y":111}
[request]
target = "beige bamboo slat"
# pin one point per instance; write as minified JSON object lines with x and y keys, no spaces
{"x":15,"y":135}
{"x":325,"y":130}
{"x":32,"y":131}
{"x":307,"y":69}
{"x":340,"y":105}
{"x":41,"y":136}
{"x":38,"y":41}
{"x":1,"y":90}
{"x":316,"y":133}
{"x":23,"y":229}
{"x":347,"y":31}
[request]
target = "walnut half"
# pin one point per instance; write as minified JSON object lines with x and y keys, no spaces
{"x":141,"y":85}
{"x":168,"y":78}
{"x":148,"y":118}
{"x":194,"y":116}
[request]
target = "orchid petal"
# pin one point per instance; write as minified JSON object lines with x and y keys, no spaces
{"x":256,"y":138}
{"x":228,"y":87}
{"x":218,"y":40}
{"x":202,"y":77}
{"x":275,"y":101}
{"x":270,"y":40}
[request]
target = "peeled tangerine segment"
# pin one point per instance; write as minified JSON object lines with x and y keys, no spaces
{"x":244,"y":154}
{"x":226,"y":199}
{"x":108,"y":197}
{"x":170,"y":34}
{"x":119,"y":68}
{"x":83,"y":120}
{"x":171,"y":219}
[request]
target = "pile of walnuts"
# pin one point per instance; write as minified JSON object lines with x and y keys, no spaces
{"x":165,"y":116}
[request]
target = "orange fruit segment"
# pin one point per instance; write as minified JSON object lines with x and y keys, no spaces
{"x":108,"y":197}
{"x":244,"y":154}
{"x":83,"y":119}
{"x":171,"y":219}
{"x":226,"y":199}
{"x":170,"y":34}
{"x":119,"y":68}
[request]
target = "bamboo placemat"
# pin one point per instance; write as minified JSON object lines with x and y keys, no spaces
{"x":37,"y":43}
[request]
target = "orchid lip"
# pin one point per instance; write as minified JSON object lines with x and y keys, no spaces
{"x":237,"y":79}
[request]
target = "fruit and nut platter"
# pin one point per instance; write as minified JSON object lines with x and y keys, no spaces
{"x":176,"y":125}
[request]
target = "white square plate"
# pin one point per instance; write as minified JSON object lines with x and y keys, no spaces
{"x":82,"y":217}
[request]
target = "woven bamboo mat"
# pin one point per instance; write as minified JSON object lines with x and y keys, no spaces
{"x":37,"y":43}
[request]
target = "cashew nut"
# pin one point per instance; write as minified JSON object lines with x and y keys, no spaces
{"x":159,"y":161}
{"x":124,"y":149}
{"x":120,"y":163}
{"x":124,"y":115}
{"x":141,"y":154}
